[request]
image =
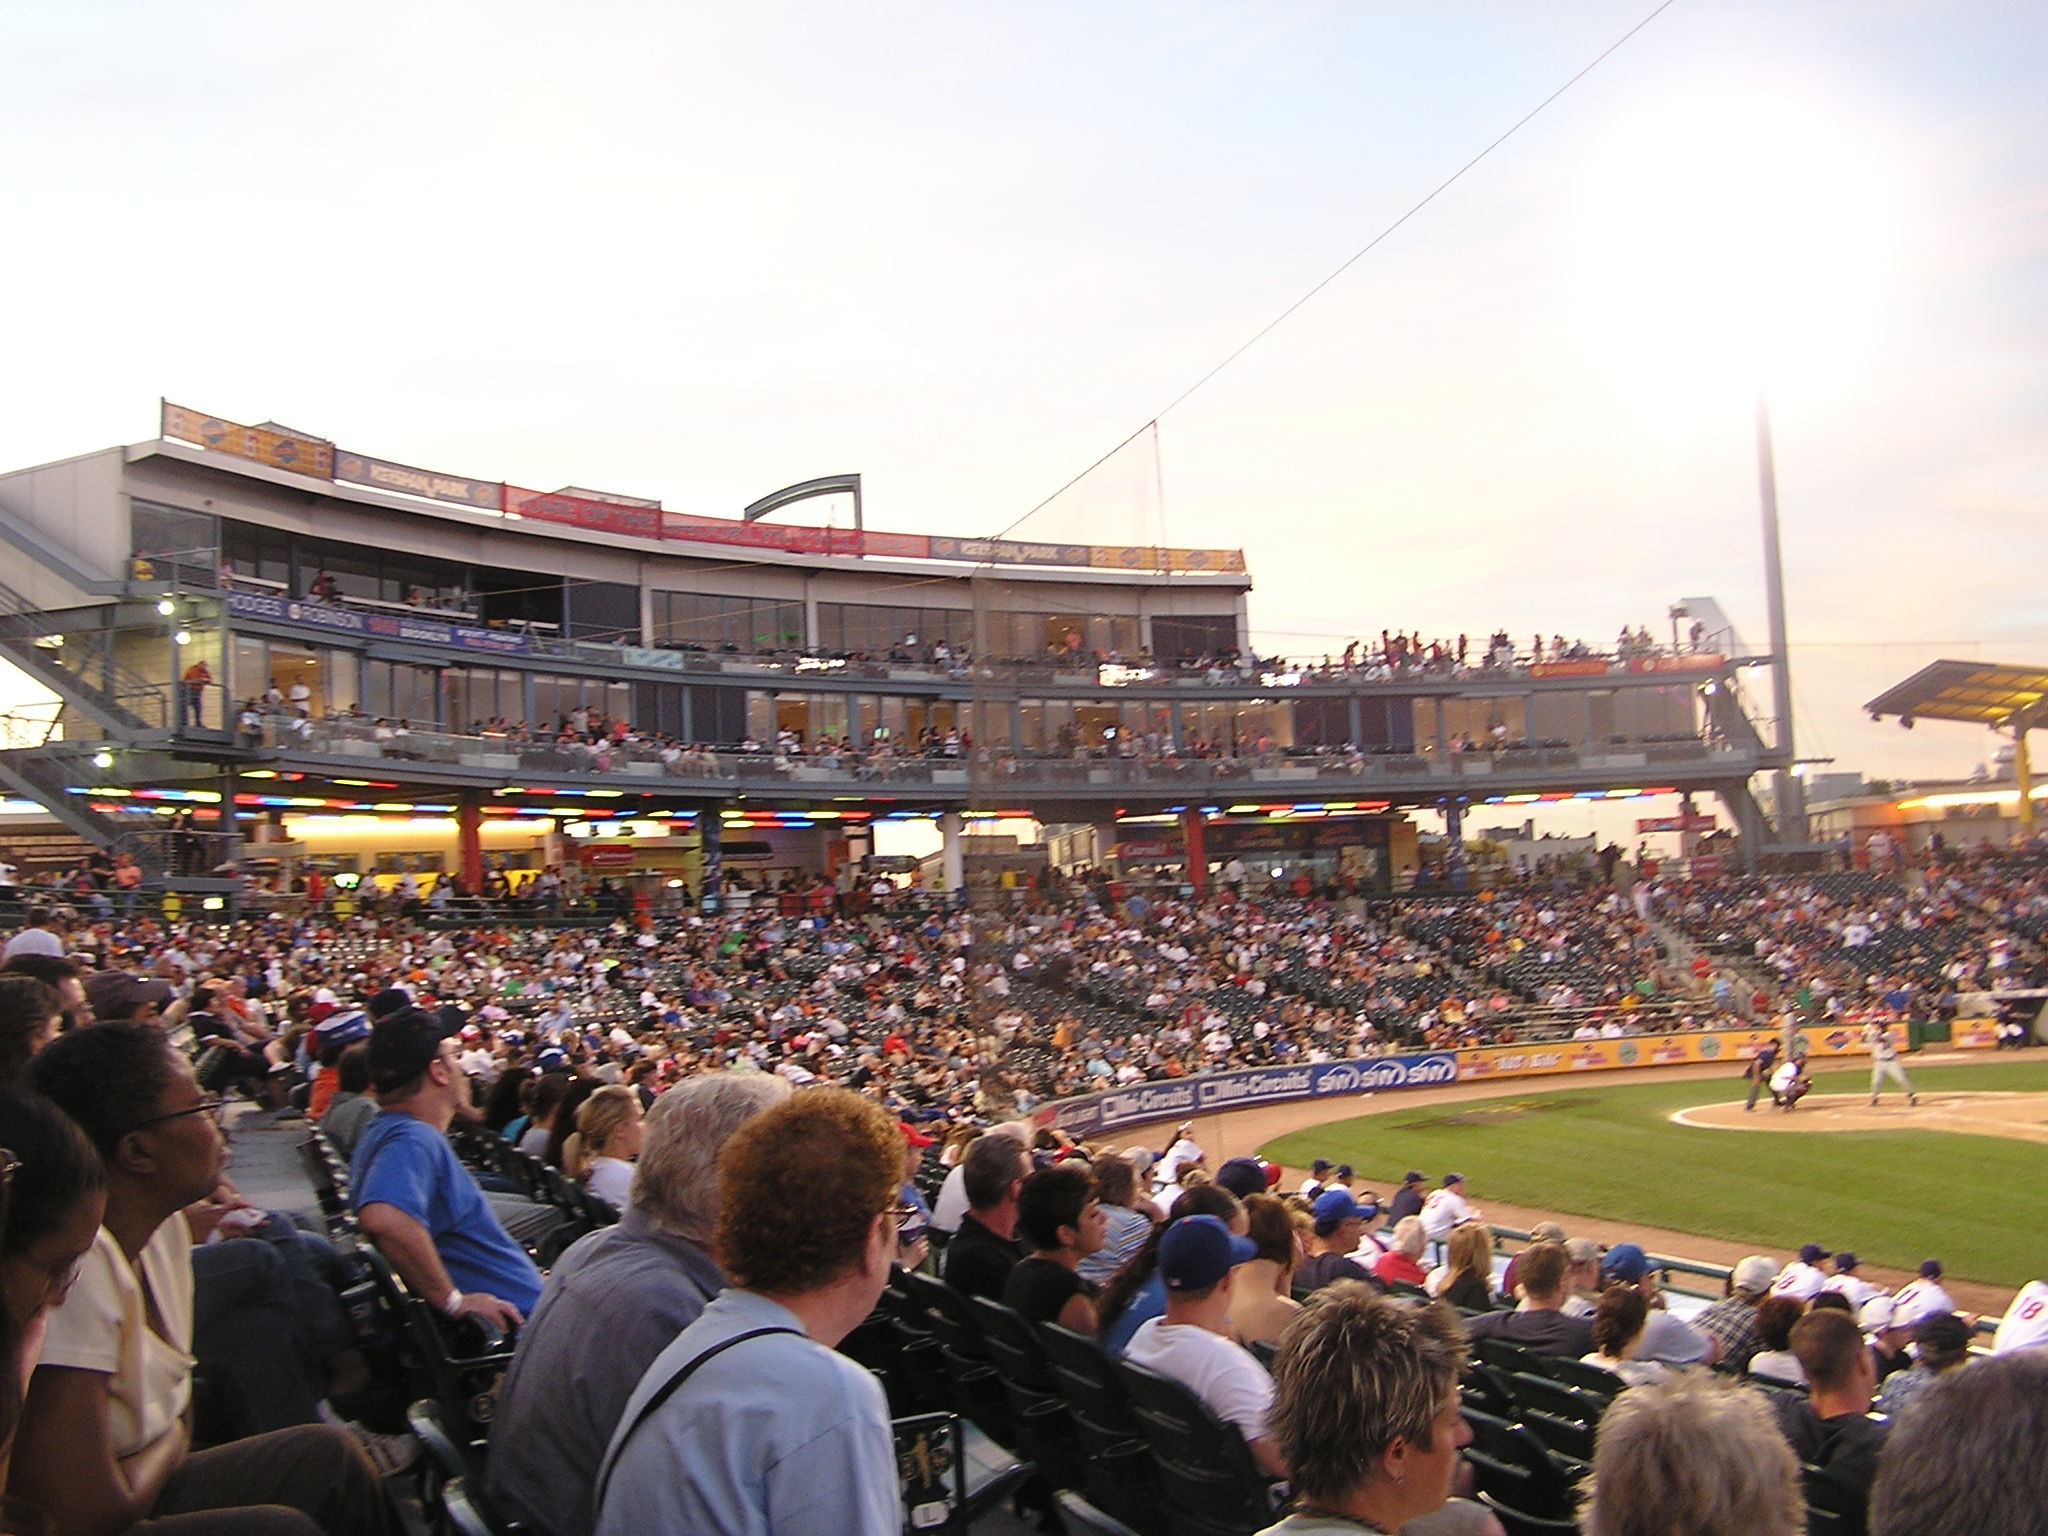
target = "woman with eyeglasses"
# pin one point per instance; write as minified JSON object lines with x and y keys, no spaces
{"x":53,"y":1193}
{"x":104,"y":1442}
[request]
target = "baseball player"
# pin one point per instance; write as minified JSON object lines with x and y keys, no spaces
{"x":1884,"y":1062}
{"x":2025,"y":1325}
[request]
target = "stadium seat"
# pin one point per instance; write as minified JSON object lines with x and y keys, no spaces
{"x":1121,"y":1478}
{"x":1589,"y":1378}
{"x":1516,"y":1523}
{"x":464,"y":1515}
{"x":1503,"y":1355}
{"x":1037,"y":1406}
{"x":1206,"y":1470}
{"x":1515,"y":1467}
{"x":977,"y":1391}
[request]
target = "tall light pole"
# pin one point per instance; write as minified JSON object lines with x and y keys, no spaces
{"x":1791,"y":806}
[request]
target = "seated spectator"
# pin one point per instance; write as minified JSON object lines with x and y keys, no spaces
{"x":30,"y":1014}
{"x":1966,"y":1460}
{"x":104,"y":1439}
{"x":1263,"y":1304}
{"x":952,"y":1202}
{"x":1941,"y":1342}
{"x":1581,"y":1278}
{"x":1618,"y":1331}
{"x":1408,"y":1198}
{"x":1365,"y":1414}
{"x":750,"y":1420}
{"x":415,"y":1200}
{"x":62,"y":973}
{"x":1539,"y":1232}
{"x":1665,"y":1337}
{"x":1446,"y":1208}
{"x":1732,"y":1319}
{"x":1776,"y":1316}
{"x":548,"y":1093}
{"x":351,"y":1107}
{"x":599,"y":1153}
{"x":1400,"y":1264}
{"x":1338,"y":1230}
{"x":55,"y":1194}
{"x":121,"y":997}
{"x":1832,"y":1428}
{"x":1695,"y":1454}
{"x":1125,"y":1228}
{"x":613,"y":1302}
{"x":1243,"y":1177}
{"x":1919,"y":1298}
{"x":984,"y":1250}
{"x":1138,"y":1293}
{"x":1466,"y":1278}
{"x":1539,"y":1325}
{"x":1191,"y":1342}
{"x":1061,"y":1219}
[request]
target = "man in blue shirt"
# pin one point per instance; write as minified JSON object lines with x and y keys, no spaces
{"x":751,"y":1421}
{"x":412,"y":1194}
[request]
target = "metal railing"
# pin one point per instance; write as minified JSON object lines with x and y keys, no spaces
{"x":86,"y":660}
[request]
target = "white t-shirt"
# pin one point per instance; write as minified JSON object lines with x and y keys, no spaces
{"x":1921,"y":1298}
{"x":2025,"y":1323}
{"x":1181,"y":1154}
{"x":103,"y":1326}
{"x":1802,"y":1282}
{"x":1233,"y":1384}
{"x":952,"y":1206}
{"x":1443,"y":1210}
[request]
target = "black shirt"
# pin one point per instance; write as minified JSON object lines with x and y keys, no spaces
{"x":1543,"y":1333}
{"x":978,"y":1263}
{"x":1319,"y":1270}
{"x":1470,"y":1292}
{"x":1407,"y":1201}
{"x":1847,"y":1445}
{"x":1038,"y":1289}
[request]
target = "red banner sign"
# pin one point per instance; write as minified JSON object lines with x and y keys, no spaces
{"x":1708,"y":662}
{"x":580,"y":512}
{"x":1588,"y":668}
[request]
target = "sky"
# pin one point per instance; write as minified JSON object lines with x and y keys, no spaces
{"x":700,"y":252}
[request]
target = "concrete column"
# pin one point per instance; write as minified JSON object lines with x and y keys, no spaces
{"x":1197,"y":853}
{"x":953,"y":860}
{"x":2023,"y":776}
{"x":1454,"y":843}
{"x":469,"y":826}
{"x":711,"y":835}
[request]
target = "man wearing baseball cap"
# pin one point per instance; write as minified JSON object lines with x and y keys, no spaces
{"x":415,"y":1199}
{"x":1407,"y":1199}
{"x":1665,"y":1338}
{"x":1192,"y":1344}
{"x":1339,"y":1229}
{"x":1923,"y":1297}
{"x":1802,"y":1278}
{"x":122,"y":997}
{"x":1732,"y":1320}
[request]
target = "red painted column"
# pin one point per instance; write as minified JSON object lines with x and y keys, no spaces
{"x":1197,"y":853}
{"x":469,"y":824}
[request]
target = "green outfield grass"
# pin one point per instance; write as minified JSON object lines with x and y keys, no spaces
{"x":1977,"y":1203}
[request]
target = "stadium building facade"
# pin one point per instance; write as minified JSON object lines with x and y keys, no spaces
{"x":299,"y":652}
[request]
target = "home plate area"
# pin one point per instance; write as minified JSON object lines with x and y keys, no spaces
{"x":2019,"y":1116}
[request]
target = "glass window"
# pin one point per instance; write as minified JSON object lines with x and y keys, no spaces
{"x":251,"y":669}
{"x":761,"y":716}
{"x":1559,"y":717}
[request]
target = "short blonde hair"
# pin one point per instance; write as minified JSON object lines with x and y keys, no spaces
{"x":597,"y":1118}
{"x":1696,"y":1453}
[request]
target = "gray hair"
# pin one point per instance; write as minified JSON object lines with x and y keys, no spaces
{"x":993,"y":1163}
{"x":1966,"y":1448}
{"x":675,"y":1182}
{"x":1697,"y":1453}
{"x":1409,"y":1238}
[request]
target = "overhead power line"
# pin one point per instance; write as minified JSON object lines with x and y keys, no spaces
{"x":1263,"y":331}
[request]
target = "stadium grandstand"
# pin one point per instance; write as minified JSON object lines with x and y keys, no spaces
{"x":481,"y":862}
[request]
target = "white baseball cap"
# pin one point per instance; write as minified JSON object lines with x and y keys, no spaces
{"x":1755,"y":1274}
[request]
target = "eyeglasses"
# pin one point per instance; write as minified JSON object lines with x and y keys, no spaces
{"x":211,"y":1105}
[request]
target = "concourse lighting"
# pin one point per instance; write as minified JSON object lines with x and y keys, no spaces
{"x":166,"y":607}
{"x":103,"y":759}
{"x":183,"y":637}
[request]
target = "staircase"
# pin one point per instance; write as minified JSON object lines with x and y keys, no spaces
{"x":81,"y":670}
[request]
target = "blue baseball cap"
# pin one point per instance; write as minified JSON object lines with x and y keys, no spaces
{"x":1333,"y":1206}
{"x":1242,"y":1176}
{"x":1625,"y":1262}
{"x":1198,"y":1251}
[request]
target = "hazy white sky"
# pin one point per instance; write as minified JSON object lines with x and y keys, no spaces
{"x":701,"y":252}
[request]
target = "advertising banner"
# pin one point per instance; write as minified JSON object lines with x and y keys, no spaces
{"x":361,"y":469}
{"x":1731,"y":1046}
{"x":1708,"y":662}
{"x":1144,"y":1102}
{"x":1148,"y":557}
{"x":382,"y":626}
{"x":799,"y":541}
{"x":1586,"y":668}
{"x":280,"y":450}
{"x":1008,"y":552}
{"x":1697,"y":822}
{"x":581,"y":512}
{"x":1973,"y":1034}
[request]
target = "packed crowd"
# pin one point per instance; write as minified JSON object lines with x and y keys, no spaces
{"x":830,"y":1069}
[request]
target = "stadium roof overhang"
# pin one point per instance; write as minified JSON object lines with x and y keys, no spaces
{"x":1984,"y":693}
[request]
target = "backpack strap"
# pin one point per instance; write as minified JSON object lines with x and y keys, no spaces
{"x":667,"y":1390}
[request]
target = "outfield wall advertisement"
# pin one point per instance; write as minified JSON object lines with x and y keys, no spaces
{"x":1144,"y":1102}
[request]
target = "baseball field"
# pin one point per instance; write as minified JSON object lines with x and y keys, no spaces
{"x":1897,"y":1195}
